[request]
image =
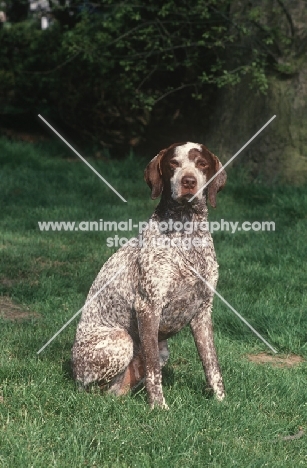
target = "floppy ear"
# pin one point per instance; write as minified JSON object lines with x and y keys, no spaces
{"x":218,"y":182}
{"x":153,"y":175}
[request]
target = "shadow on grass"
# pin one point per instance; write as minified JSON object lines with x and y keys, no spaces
{"x":67,"y":370}
{"x":168,"y":376}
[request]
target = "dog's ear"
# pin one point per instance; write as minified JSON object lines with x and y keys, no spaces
{"x":218,"y":182}
{"x":153,"y":175}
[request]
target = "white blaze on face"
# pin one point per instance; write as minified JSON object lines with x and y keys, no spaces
{"x":187,"y":167}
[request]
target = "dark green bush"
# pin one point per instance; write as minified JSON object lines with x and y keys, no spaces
{"x":120,"y":65}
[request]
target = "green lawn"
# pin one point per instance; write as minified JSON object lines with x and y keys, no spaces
{"x":46,"y":422}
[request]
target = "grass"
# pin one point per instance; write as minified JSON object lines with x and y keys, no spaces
{"x":44,"y":421}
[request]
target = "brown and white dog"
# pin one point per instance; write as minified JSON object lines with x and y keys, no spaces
{"x":122,"y":335}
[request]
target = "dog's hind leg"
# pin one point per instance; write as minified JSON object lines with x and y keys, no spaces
{"x":107,"y":356}
{"x":128,"y":379}
{"x":134,"y":374}
{"x":101,"y":354}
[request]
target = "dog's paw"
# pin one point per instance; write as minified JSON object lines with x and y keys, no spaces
{"x":159,"y":404}
{"x":165,"y":406}
{"x":220,"y":396}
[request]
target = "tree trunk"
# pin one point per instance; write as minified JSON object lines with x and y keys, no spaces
{"x":279,"y":153}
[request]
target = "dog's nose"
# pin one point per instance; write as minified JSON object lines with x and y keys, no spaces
{"x":188,"y":182}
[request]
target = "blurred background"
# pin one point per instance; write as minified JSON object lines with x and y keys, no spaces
{"x":143,"y":74}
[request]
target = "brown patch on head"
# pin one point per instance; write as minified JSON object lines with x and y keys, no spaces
{"x":153,"y":175}
{"x":14,"y":312}
{"x":157,"y":172}
{"x":277,"y":361}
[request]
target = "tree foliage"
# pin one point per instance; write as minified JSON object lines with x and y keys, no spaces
{"x":117,"y":64}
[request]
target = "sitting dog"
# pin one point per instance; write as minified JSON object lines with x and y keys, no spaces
{"x":122,"y":334}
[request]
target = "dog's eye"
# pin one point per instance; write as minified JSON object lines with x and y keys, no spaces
{"x":174,"y":163}
{"x":202,"y":165}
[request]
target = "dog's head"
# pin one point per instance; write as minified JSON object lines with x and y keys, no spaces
{"x":181,"y":170}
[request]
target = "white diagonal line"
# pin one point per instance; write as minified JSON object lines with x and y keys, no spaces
{"x":84,"y":160}
{"x":231,"y":159}
{"x":233,"y":310}
{"x":80,"y":310}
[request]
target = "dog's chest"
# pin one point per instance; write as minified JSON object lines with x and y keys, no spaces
{"x":180,"y":309}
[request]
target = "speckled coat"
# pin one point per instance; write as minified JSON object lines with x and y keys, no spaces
{"x":122,"y":335}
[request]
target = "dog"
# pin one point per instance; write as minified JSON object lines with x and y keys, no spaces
{"x":129,"y":315}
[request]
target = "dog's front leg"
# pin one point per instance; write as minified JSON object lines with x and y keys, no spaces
{"x":202,"y":330}
{"x":148,"y":323}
